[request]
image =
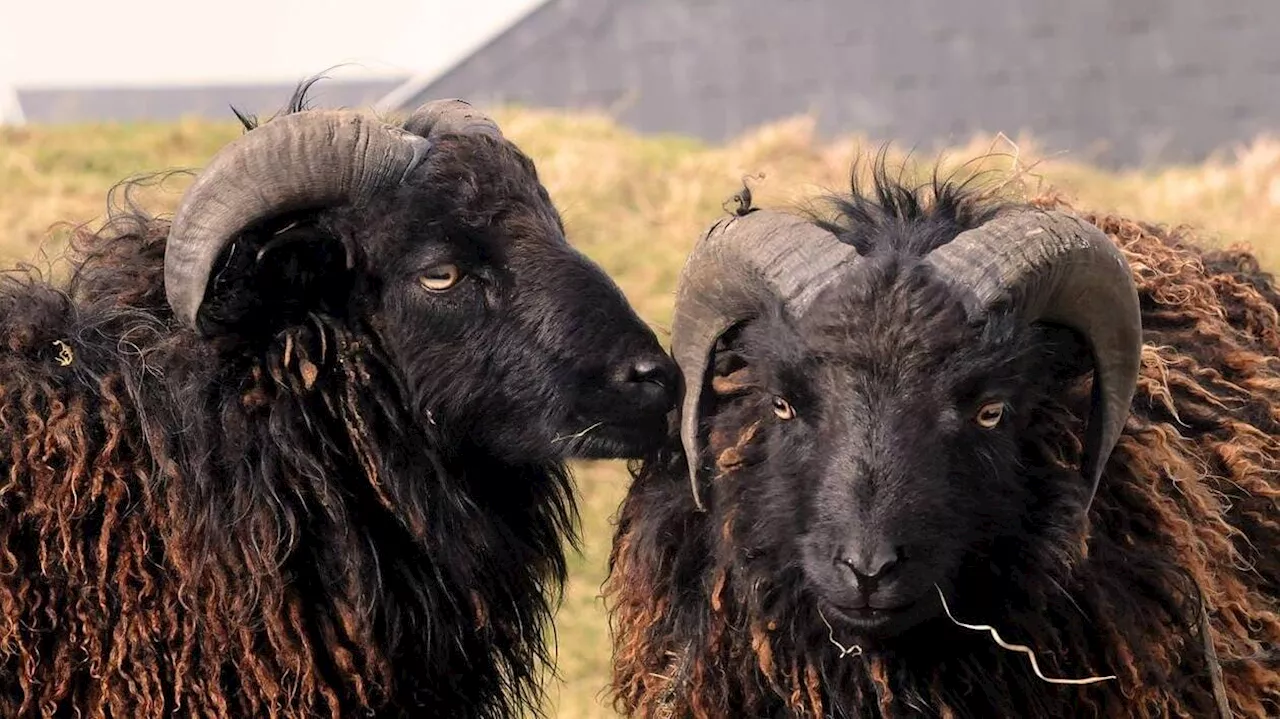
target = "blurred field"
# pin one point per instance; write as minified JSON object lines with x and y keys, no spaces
{"x":636,"y":205}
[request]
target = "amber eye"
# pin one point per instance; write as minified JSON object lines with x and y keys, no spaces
{"x":989,"y":414}
{"x":783,"y":408}
{"x":440,"y":277}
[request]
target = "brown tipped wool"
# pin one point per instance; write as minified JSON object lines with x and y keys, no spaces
{"x":140,"y":581}
{"x":1193,"y":487}
{"x":103,"y":604}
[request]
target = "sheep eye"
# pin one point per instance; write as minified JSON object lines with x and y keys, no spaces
{"x":783,"y":408}
{"x":440,"y":277}
{"x":989,"y":414}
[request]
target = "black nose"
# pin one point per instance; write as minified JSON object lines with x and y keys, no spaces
{"x":648,"y":369}
{"x":653,"y":376}
{"x":869,"y":565}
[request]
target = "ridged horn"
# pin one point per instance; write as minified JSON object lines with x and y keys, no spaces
{"x":1053,"y":267}
{"x":299,"y":161}
{"x":450,"y":116}
{"x":739,"y":263}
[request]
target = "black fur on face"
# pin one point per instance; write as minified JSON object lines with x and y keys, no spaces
{"x":882,"y":432}
{"x":508,"y":339}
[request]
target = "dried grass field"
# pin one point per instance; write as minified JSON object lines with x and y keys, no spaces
{"x":636,"y":205}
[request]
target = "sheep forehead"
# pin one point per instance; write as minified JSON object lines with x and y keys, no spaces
{"x":499,"y":226}
{"x":900,"y":320}
{"x":481,"y":189}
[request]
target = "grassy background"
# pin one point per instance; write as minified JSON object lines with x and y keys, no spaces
{"x":635,"y":204}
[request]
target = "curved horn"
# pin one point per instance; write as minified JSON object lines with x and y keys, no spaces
{"x":1057,"y":268}
{"x":450,"y":116}
{"x":738,"y":262}
{"x":307,"y":159}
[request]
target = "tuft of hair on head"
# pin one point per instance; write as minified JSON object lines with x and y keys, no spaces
{"x":300,"y":101}
{"x":892,"y":216}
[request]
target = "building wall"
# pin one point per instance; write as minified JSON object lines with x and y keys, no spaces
{"x":1116,"y":82}
{"x":85,"y":60}
{"x":127,"y":104}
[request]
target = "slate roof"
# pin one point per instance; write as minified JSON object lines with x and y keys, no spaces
{"x":1120,"y":83}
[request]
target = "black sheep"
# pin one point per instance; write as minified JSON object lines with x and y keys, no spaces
{"x":889,"y":417}
{"x":301,"y":452}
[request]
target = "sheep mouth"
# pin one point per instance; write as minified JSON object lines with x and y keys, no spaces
{"x":875,"y":621}
{"x":603,"y":439}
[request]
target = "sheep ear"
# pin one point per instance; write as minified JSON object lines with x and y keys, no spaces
{"x":726,"y":359}
{"x":275,"y":275}
{"x":1066,"y":356}
{"x":296,"y":163}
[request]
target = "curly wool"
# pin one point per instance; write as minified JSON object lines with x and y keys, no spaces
{"x":1186,"y":512}
{"x":190,"y":530}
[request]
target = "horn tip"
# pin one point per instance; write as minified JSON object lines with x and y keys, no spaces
{"x":451,"y":115}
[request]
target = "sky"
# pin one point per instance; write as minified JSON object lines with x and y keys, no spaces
{"x":79,"y":43}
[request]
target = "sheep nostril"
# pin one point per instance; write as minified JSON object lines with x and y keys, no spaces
{"x":869,"y":567}
{"x":647,"y":370}
{"x":652,"y":375}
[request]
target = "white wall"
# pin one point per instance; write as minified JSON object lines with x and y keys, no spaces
{"x":10,"y":110}
{"x":79,"y":43}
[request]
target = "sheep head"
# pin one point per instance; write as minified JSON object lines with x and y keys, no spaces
{"x":438,"y":237}
{"x":856,"y":396}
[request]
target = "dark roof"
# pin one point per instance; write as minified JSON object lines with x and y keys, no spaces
{"x":1119,"y":83}
{"x":63,"y":105}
